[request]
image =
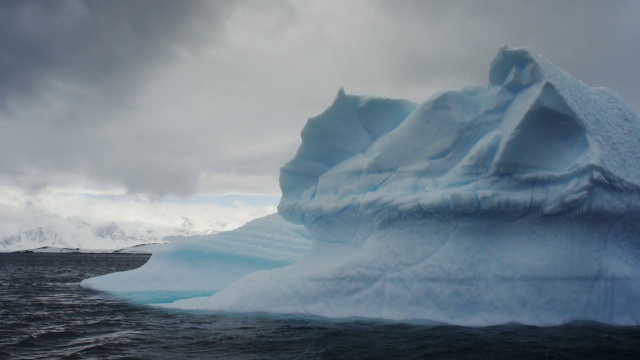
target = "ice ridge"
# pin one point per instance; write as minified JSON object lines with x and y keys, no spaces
{"x":536,"y":139}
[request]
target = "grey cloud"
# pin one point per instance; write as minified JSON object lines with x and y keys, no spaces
{"x":175,"y":97}
{"x":70,"y":72}
{"x":597,"y":41}
{"x":104,"y":45}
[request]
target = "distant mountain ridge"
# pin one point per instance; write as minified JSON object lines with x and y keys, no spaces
{"x":140,"y":249}
{"x":76,"y":233}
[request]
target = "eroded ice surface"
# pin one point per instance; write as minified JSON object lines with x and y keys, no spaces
{"x":202,"y":265}
{"x":515,"y":202}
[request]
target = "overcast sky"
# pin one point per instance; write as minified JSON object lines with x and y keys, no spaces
{"x":164,"y":97}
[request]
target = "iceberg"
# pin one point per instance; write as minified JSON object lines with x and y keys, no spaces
{"x":202,"y":265}
{"x":515,"y":202}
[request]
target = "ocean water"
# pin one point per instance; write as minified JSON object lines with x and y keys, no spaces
{"x":45,"y":314}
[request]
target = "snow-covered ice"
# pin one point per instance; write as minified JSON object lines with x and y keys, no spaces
{"x":518,"y":202}
{"x":58,"y":232}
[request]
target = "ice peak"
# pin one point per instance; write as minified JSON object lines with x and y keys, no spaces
{"x":537,"y":135}
{"x":515,"y":68}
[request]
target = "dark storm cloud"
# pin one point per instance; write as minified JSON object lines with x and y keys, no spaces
{"x":71,"y":70}
{"x":107,"y":45}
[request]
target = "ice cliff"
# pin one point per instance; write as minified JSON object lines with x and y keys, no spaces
{"x":518,"y":202}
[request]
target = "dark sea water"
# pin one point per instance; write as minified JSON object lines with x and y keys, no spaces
{"x":45,"y":314}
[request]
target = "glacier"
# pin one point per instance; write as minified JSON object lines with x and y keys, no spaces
{"x":515,"y":202}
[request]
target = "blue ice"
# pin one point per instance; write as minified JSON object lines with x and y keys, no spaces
{"x":515,"y":202}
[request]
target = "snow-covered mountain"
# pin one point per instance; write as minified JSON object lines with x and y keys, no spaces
{"x":77,"y":233}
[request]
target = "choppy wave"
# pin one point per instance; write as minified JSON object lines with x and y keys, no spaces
{"x":45,"y":314}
